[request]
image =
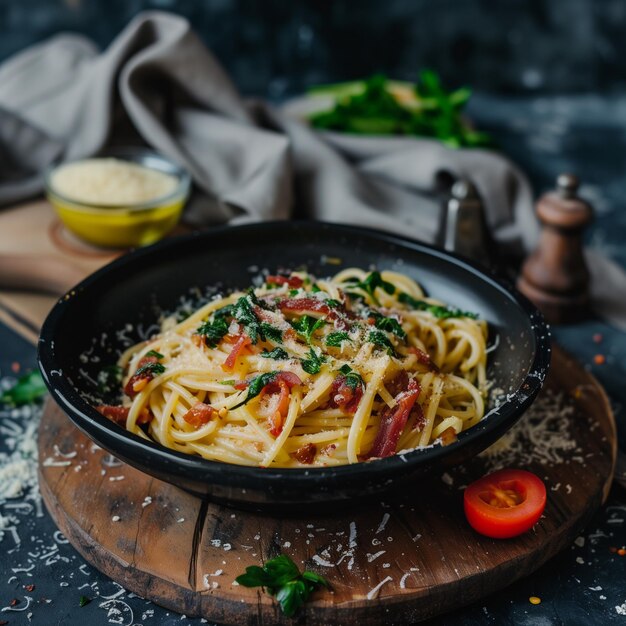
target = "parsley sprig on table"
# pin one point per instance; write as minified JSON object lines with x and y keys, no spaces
{"x":27,"y":389}
{"x":281,"y":578}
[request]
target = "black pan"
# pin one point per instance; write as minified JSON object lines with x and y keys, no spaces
{"x":88,"y":327}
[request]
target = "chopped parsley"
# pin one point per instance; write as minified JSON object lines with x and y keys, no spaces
{"x":154,"y":369}
{"x":307,"y":325}
{"x":336,"y":339}
{"x":388,"y":324}
{"x":154,"y":353}
{"x":83,"y":601}
{"x":352,"y":379}
{"x":271,"y":332}
{"x":281,"y":578}
{"x":439,"y":311}
{"x":244,"y":314}
{"x":379,"y":339}
{"x":373,"y":281}
{"x":315,"y":288}
{"x":213,"y":331}
{"x":313,"y":363}
{"x":278,"y":354}
{"x":255,"y":386}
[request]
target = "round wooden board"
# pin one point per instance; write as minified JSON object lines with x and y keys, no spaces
{"x":400,"y":560}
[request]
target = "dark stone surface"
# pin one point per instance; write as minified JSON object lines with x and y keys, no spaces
{"x":276,"y":47}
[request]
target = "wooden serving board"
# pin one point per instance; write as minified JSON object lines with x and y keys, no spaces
{"x":391,"y":561}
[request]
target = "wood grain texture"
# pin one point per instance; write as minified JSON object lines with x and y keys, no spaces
{"x":396,"y":561}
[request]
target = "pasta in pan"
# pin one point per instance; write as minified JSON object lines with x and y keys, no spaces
{"x":300,"y":372}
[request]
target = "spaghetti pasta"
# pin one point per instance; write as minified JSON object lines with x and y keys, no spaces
{"x":298,"y":373}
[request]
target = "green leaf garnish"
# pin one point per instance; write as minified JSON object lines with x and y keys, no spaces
{"x":372,"y":282}
{"x":439,"y":311}
{"x":388,"y":324}
{"x":336,"y":339}
{"x":151,"y":368}
{"x":378,"y":338}
{"x":214,"y":329}
{"x":315,"y":288}
{"x":373,"y":107}
{"x":27,"y":389}
{"x":281,"y":578}
{"x":352,"y":379}
{"x":307,"y":325}
{"x":244,"y":314}
{"x":255,"y":386}
{"x":313,"y":363}
{"x":84,"y":601}
{"x":278,"y":354}
{"x":154,"y":353}
{"x":271,"y":332}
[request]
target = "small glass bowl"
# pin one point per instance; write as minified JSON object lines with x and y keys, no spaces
{"x":127,"y":225}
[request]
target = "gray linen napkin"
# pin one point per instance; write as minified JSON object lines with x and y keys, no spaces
{"x":158,"y":84}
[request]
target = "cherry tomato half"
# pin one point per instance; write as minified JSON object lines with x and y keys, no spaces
{"x":505,"y":504}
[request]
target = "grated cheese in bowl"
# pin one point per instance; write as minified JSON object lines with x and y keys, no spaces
{"x":111,"y":181}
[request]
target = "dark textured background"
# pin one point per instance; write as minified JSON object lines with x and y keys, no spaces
{"x":275,"y":47}
{"x":549,"y":76}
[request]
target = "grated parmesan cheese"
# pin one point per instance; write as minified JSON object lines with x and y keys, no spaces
{"x":108,"y":181}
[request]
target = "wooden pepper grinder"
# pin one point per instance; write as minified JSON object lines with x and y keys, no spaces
{"x":555,"y":276}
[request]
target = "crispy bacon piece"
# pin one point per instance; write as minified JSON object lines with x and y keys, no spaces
{"x":448,"y":436}
{"x":304,"y":305}
{"x":393,"y":421}
{"x":281,"y":384}
{"x":398,"y":384}
{"x":277,"y":418}
{"x":294,"y":282}
{"x":138,"y":381}
{"x":424,"y":359}
{"x":306,"y":454}
{"x":199,"y":415}
{"x":344,"y":396}
{"x":242,"y":342}
{"x":317,"y":308}
{"x":198,"y":340}
{"x":418,"y":417}
{"x":119,"y":414}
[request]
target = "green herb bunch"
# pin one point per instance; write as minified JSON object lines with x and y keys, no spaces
{"x":370,"y":107}
{"x":281,"y":578}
